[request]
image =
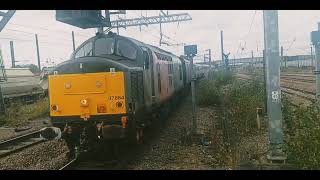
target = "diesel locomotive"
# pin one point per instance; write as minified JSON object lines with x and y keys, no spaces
{"x":113,"y":87}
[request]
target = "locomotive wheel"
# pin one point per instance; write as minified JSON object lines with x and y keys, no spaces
{"x":139,"y":135}
{"x":136,"y":136}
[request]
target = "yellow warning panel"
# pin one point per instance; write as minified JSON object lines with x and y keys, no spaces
{"x":88,"y":94}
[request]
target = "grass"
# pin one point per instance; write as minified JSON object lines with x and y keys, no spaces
{"x":19,"y":114}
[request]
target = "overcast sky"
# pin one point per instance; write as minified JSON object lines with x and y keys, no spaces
{"x":204,"y":30}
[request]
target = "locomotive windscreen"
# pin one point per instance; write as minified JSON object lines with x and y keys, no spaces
{"x":109,"y":46}
{"x":104,"y":46}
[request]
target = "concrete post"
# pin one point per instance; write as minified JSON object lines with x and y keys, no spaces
{"x":271,"y":43}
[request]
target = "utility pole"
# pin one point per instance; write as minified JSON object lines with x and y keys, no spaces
{"x":281,"y":56}
{"x":193,"y":96}
{"x":73,"y":43}
{"x":210,"y":59}
{"x":38,"y":54}
{"x":191,"y":51}
{"x":265,"y":80}
{"x":160,"y":30}
{"x":118,"y":28}
{"x":311,"y":57}
{"x":252,"y":57}
{"x":13,"y":61}
{"x":100,"y":29}
{"x":315,"y":38}
{"x":222,"y":53}
{"x":272,"y":58}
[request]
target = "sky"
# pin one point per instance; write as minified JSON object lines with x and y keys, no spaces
{"x":242,"y":32}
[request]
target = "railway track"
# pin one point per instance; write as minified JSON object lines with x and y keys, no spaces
{"x":297,"y":92}
{"x":309,"y":78}
{"x":102,"y":160}
{"x":19,"y":143}
{"x":309,"y":95}
{"x":70,"y":164}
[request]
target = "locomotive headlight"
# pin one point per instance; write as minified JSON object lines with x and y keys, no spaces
{"x":54,"y":108}
{"x":84,"y":102}
{"x":119,"y":104}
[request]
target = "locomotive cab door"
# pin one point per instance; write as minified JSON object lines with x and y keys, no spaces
{"x":148,"y":66}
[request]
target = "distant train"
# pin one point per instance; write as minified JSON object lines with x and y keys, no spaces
{"x":20,"y":84}
{"x":293,"y":61}
{"x":113,"y":87}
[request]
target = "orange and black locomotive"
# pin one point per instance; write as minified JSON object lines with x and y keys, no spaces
{"x":112,"y":87}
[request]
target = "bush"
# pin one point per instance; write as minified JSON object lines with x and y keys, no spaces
{"x":242,"y":100}
{"x":210,"y":90}
{"x":236,"y":99}
{"x":302,"y":130}
{"x":209,"y":93}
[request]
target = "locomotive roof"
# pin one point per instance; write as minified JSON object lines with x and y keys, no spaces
{"x":142,"y":44}
{"x":152,"y":47}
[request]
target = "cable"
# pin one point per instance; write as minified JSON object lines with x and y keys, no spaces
{"x":254,"y":15}
{"x":16,"y":39}
{"x":159,"y":31}
{"x":37,"y":27}
{"x":40,"y":41}
{"x":251,"y":23}
{"x":291,"y":44}
{"x":42,"y":35}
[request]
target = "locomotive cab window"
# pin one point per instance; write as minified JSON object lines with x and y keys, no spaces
{"x":86,"y":50}
{"x":104,"y":46}
{"x":126,"y":49}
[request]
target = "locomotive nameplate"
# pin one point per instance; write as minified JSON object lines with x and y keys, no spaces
{"x":116,"y":98}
